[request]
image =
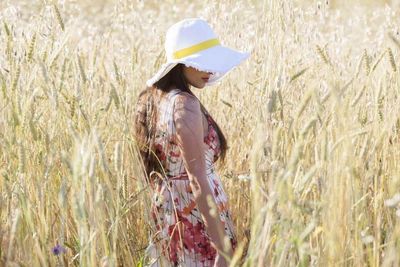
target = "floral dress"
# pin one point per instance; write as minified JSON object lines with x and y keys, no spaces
{"x":181,"y":238}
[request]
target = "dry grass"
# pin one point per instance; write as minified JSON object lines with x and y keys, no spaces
{"x":312,"y":121}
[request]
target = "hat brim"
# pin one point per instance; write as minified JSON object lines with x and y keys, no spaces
{"x":218,"y":59}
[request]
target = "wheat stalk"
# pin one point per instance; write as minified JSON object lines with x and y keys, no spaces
{"x":82,"y":70}
{"x":62,"y":76}
{"x":58,"y":16}
{"x":31,"y":48}
{"x":378,"y":61}
{"x":298,"y":74}
{"x":391,"y":59}
{"x":367,"y":62}
{"x":16,"y":78}
{"x":323,"y":54}
{"x":21,"y":158}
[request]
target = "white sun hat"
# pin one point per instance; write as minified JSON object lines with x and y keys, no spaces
{"x":193,"y":43}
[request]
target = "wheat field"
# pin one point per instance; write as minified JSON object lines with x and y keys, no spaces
{"x":312,"y":121}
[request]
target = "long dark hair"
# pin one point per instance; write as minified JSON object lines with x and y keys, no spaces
{"x":146,"y":114}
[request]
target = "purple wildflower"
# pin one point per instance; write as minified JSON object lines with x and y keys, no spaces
{"x":58,"y":249}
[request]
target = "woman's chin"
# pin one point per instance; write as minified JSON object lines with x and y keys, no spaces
{"x":200,"y":86}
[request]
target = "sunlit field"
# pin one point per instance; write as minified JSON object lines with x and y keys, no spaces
{"x":312,"y":121}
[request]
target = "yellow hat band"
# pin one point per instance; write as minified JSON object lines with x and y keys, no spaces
{"x":195,"y":48}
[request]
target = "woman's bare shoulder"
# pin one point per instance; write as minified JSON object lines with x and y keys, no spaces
{"x":186,"y":101}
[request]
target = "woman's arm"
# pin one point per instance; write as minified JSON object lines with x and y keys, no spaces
{"x":189,"y":128}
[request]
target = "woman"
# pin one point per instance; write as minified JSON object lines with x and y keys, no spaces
{"x":179,"y":143}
